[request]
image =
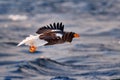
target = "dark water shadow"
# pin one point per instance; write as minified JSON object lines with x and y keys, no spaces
{"x":7,"y":62}
{"x":11,"y":43}
{"x":6,"y":55}
{"x":100,"y":73}
{"x":27,"y":52}
{"x":62,"y":78}
{"x":13,"y":77}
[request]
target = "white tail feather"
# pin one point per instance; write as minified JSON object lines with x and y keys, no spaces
{"x":32,"y":40}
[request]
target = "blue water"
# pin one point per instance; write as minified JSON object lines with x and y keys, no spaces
{"x":94,"y":56}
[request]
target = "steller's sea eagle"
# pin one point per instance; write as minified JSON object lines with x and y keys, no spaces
{"x":48,"y":35}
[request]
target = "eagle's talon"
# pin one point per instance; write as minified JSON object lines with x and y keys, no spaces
{"x":32,"y":49}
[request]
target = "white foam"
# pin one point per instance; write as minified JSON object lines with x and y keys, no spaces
{"x":17,"y":17}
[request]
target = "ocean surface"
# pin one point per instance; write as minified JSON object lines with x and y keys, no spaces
{"x":93,"y":56}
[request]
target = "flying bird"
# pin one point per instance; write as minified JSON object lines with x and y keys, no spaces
{"x":48,"y":35}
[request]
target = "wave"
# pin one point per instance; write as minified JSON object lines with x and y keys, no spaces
{"x":102,"y":7}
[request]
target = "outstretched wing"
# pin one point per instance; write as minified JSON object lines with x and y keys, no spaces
{"x":51,"y":27}
{"x":51,"y":37}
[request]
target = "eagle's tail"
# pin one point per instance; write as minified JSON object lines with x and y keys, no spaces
{"x":32,"y":40}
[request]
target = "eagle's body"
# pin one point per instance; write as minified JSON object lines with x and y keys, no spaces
{"x":49,"y":35}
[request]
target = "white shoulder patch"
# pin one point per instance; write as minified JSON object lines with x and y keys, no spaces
{"x":59,"y":35}
{"x":55,"y":30}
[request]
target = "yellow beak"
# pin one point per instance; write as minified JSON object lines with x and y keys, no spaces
{"x":32,"y":49}
{"x":76,"y":35}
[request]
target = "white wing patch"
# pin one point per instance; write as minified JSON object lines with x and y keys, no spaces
{"x":32,"y":40}
{"x":59,"y":35}
{"x":55,"y":30}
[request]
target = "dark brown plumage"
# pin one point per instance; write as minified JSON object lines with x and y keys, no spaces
{"x":55,"y":34}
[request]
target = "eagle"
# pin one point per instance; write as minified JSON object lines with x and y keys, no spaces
{"x":48,"y":35}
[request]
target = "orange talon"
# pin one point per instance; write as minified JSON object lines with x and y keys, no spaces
{"x":32,"y":49}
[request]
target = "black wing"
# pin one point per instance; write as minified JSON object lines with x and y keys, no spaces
{"x":58,"y":26}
